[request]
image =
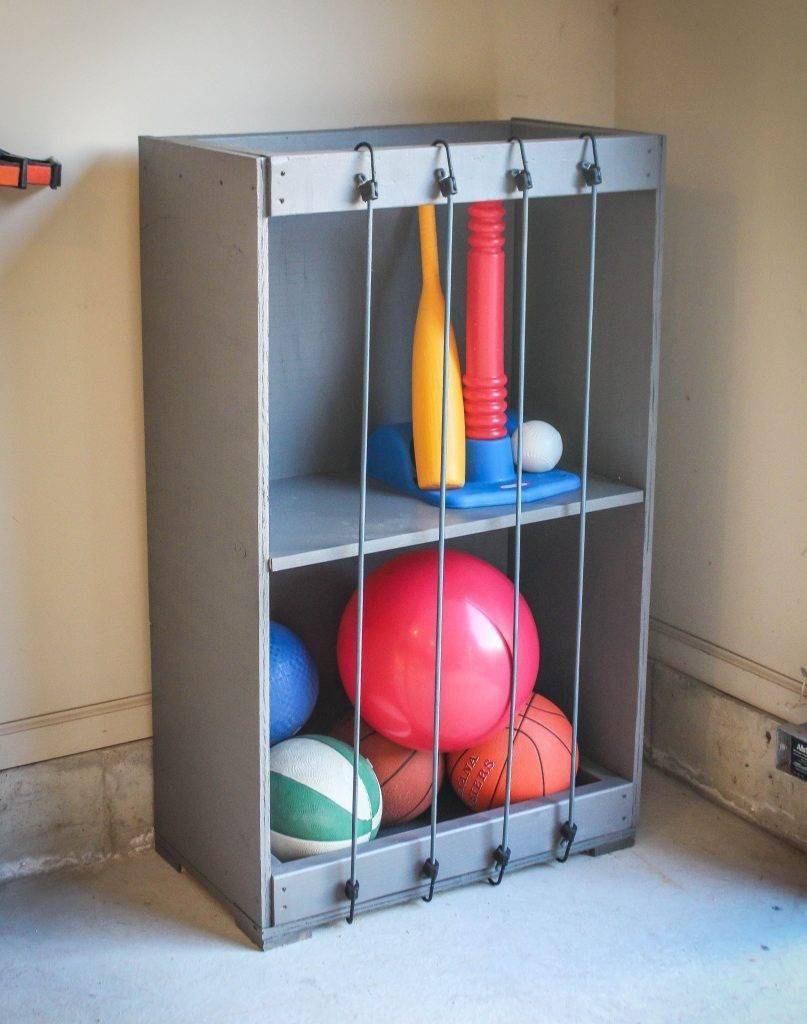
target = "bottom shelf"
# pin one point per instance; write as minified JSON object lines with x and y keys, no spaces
{"x":311,"y":891}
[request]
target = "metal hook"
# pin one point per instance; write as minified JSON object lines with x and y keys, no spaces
{"x":352,"y":893}
{"x":523,"y":177}
{"x":568,"y":831}
{"x":502,"y":858}
{"x":430,"y":870}
{"x":592,"y":173}
{"x":368,"y":187}
{"x":447,"y":183}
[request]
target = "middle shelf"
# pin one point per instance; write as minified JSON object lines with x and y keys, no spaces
{"x":313,"y":519}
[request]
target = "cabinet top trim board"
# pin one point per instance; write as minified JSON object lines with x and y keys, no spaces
{"x":324,"y":181}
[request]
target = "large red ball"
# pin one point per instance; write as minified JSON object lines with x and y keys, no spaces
{"x":400,"y":608}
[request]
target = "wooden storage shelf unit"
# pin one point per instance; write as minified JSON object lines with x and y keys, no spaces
{"x":252,"y":250}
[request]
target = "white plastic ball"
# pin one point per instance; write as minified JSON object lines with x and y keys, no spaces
{"x":543,"y":447}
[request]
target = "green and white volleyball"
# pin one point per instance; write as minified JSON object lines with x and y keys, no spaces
{"x":311,"y":797}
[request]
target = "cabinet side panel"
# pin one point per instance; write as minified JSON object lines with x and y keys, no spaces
{"x":202,"y":265}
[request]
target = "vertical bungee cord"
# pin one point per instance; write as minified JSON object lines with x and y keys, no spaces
{"x":523,"y":180}
{"x":448,"y":189}
{"x":368,"y":191}
{"x":592,"y":175}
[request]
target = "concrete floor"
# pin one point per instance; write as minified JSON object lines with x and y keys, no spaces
{"x":704,"y":920}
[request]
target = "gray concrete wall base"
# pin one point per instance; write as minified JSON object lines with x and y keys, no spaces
{"x":77,"y":810}
{"x":725,"y":749}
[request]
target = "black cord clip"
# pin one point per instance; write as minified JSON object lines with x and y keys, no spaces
{"x":523,"y":177}
{"x":430,"y":870}
{"x":502,"y":858}
{"x":368,"y":187}
{"x":446,"y":182}
{"x":568,"y":831}
{"x":592,"y":172}
{"x":352,"y":893}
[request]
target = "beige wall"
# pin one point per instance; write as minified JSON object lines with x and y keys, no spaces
{"x":728,"y":82}
{"x":73,"y":611}
{"x":725,"y":80}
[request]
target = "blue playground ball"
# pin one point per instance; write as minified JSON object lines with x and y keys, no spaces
{"x":293,"y":683}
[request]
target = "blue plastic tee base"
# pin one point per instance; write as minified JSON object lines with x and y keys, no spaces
{"x":489,"y":462}
{"x":490,"y":477}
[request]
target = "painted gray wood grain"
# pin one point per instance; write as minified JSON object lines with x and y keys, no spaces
{"x":324,"y":182}
{"x":311,"y":887}
{"x":314,"y":517}
{"x":532,"y":128}
{"x":267,"y":143}
{"x":623,"y":333}
{"x":200,"y":265}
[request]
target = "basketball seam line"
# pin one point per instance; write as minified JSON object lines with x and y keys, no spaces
{"x":547,"y":729}
{"x":518,"y":733}
{"x":400,"y":768}
{"x":540,"y":761}
{"x":414,"y":806}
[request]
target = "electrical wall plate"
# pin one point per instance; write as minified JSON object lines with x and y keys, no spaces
{"x":791,"y":750}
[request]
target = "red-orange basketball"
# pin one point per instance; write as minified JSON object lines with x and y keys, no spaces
{"x":541,"y":759}
{"x":405,"y":775}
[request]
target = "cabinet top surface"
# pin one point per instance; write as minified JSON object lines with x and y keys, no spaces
{"x":270,"y":143}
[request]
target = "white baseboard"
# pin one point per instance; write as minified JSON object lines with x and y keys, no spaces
{"x":75,"y":730}
{"x":731,"y":673}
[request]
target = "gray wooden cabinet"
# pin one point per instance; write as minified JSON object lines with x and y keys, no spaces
{"x":252,"y":256}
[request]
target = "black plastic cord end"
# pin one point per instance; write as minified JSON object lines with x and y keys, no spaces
{"x":568,"y":831}
{"x":367,"y":187}
{"x":523,"y":178}
{"x":446,"y":181}
{"x":502,"y":858}
{"x":431,"y":869}
{"x":592,"y":172}
{"x":352,"y":893}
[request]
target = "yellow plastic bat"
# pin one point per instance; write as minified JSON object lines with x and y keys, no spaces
{"x":427,"y":373}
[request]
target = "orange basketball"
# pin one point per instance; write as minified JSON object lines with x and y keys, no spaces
{"x":541,"y":756}
{"x":405,"y":775}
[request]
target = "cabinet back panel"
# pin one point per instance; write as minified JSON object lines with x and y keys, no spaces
{"x":316,"y":329}
{"x":623,"y":335}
